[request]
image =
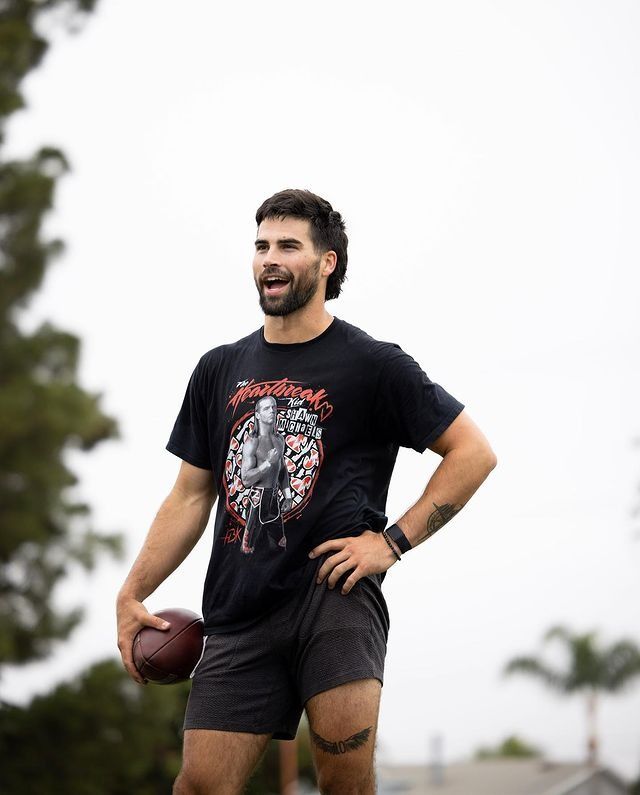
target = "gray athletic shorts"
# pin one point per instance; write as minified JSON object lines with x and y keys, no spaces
{"x":259,"y":679}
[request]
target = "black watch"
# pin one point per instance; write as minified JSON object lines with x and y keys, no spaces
{"x":396,"y":534}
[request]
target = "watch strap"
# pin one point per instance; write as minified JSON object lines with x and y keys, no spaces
{"x":396,"y":534}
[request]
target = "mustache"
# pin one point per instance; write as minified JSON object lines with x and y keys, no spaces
{"x":270,"y":274}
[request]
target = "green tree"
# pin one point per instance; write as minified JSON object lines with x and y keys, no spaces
{"x":103,"y":734}
{"x":590,"y":669}
{"x":23,"y":45}
{"x":43,"y":530}
{"x":512,"y":747}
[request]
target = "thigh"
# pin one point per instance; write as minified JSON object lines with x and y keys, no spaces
{"x":343,"y":722}
{"x":218,"y":762}
{"x":342,"y":638}
{"x":242,"y":685}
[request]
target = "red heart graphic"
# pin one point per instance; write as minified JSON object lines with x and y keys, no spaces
{"x":301,"y":484}
{"x":311,"y":460}
{"x":295,"y":442}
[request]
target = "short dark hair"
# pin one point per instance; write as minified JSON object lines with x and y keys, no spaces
{"x":326,"y":227}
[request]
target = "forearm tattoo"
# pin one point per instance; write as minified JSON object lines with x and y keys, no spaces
{"x":441,"y":515}
{"x":352,"y":743}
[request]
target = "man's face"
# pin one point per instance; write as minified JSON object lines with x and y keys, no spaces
{"x":284,"y":249}
{"x":267,"y":411}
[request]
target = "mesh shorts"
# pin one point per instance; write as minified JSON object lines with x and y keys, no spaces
{"x":259,"y":679}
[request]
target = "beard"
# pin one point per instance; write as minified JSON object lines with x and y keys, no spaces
{"x":298,"y":293}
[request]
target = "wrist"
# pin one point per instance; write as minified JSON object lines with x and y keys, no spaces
{"x":391,"y":545}
{"x":396,"y":535}
{"x":127,"y":596}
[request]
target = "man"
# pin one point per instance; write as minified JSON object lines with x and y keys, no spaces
{"x":303,"y":627}
{"x":263,"y":468}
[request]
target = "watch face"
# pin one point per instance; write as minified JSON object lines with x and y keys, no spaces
{"x":399,"y":537}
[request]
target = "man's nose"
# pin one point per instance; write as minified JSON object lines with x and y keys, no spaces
{"x":270,"y":258}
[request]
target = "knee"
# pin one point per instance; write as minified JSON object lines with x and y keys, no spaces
{"x":332,"y":781}
{"x":186,"y":784}
{"x":181,"y":786}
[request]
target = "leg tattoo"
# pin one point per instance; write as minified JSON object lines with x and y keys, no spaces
{"x":352,"y":743}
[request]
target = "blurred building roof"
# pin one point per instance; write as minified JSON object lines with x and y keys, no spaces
{"x":500,"y":777}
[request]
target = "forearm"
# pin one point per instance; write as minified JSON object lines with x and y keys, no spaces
{"x":253,"y":474}
{"x":456,"y":479}
{"x":284,"y":483}
{"x":174,"y":532}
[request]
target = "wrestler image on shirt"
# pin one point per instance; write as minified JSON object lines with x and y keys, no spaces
{"x":264,"y":472}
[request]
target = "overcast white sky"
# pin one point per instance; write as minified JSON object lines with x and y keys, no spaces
{"x":485,"y":157}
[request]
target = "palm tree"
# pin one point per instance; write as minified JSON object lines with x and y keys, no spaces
{"x":591,"y":669}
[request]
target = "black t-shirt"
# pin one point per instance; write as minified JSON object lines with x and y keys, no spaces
{"x":301,"y":439}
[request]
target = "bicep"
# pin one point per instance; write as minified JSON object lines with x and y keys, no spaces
{"x":194,"y":482}
{"x":463,"y":432}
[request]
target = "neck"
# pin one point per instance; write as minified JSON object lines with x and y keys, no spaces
{"x":300,"y":326}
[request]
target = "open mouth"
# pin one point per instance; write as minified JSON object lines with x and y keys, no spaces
{"x":275,"y":286}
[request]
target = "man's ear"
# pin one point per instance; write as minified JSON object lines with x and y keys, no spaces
{"x":329,"y":262}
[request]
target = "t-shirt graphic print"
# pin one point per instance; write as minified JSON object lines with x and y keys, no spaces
{"x":274,"y":456}
{"x":301,"y":440}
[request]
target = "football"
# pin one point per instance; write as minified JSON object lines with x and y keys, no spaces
{"x":168,"y":656}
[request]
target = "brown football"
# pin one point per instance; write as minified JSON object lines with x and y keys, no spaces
{"x":169,"y":655}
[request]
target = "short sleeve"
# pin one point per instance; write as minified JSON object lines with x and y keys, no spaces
{"x":412,"y":410}
{"x":189,"y":438}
